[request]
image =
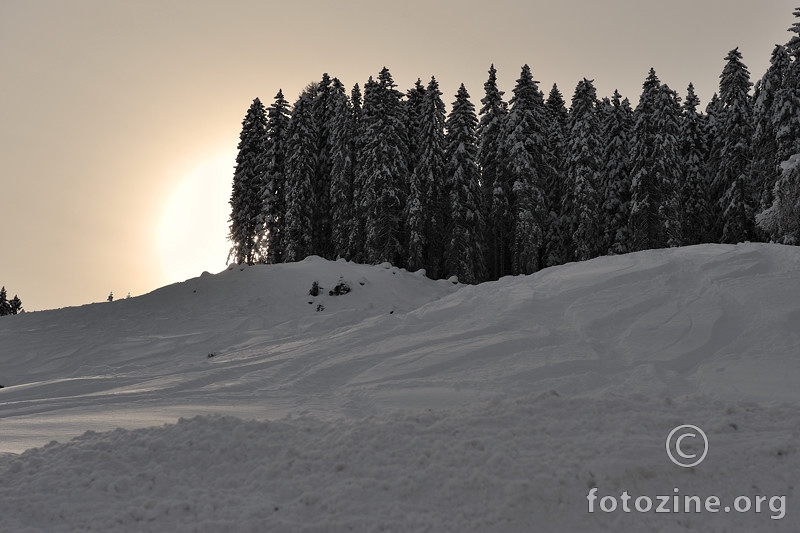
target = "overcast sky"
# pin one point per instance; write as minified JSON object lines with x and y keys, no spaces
{"x":119,"y":119}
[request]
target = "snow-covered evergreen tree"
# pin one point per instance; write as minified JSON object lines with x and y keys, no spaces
{"x":15,"y":305}
{"x":615,"y":189}
{"x":383,"y":171}
{"x":464,"y":254}
{"x":558,"y":117}
{"x":413,"y":114}
{"x":782,"y":219}
{"x":495,"y":188}
{"x":424,"y":210}
{"x":714,"y":135}
{"x":362,"y":195}
{"x":653,"y":218}
{"x":765,"y":167}
{"x":786,"y":115}
{"x":301,"y":165}
{"x":694,"y":183}
{"x":526,"y":156}
{"x":669,"y":163}
{"x":5,"y":306}
{"x":273,"y":204}
{"x":738,"y":205}
{"x":248,"y":179}
{"x":343,"y":155}
{"x":322,"y":109}
{"x":580,"y":202}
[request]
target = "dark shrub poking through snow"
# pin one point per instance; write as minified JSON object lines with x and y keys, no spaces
{"x":341,"y":288}
{"x":314,"y":290}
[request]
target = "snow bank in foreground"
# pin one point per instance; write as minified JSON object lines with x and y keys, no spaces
{"x":512,"y":465}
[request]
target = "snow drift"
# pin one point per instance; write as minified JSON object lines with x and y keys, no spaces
{"x":408,"y":404}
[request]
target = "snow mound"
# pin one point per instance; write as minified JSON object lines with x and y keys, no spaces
{"x":716,"y":320}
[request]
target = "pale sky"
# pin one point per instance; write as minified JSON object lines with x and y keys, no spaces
{"x":119,"y":119}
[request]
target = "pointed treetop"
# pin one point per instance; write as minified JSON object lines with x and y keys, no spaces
{"x":794,"y":43}
{"x":555,"y":100}
{"x":385,"y":78}
{"x":584,"y":98}
{"x":734,"y":81}
{"x":493,"y":99}
{"x":692,"y":101}
{"x":526,"y":91}
{"x":355,"y":96}
{"x":492,"y":81}
{"x":651,"y":80}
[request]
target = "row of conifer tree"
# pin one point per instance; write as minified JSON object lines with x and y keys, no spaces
{"x":522,"y":184}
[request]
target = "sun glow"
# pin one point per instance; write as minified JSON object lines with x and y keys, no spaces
{"x":192,"y":233}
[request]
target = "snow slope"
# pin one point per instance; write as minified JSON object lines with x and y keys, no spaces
{"x":409,"y":404}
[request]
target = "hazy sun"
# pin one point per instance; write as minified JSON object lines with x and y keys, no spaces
{"x":193,"y":228}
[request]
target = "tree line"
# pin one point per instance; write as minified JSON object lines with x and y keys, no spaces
{"x":523,"y":183}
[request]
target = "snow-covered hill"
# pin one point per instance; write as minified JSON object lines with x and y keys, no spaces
{"x":409,"y":404}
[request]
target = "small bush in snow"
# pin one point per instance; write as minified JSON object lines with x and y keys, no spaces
{"x":314,"y":290}
{"x":341,"y":288}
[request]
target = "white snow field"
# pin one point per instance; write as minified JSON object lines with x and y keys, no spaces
{"x":413,"y":405}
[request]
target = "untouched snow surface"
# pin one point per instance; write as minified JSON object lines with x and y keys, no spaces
{"x":410,"y":404}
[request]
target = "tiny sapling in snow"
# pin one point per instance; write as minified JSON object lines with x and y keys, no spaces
{"x":314,"y":290}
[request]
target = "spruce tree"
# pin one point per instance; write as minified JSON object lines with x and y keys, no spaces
{"x":558,"y":117}
{"x":424,"y":210}
{"x":273,"y":207}
{"x":526,"y":156}
{"x":5,"y":306}
{"x":694,"y":184}
{"x":738,"y":204}
{"x":615,"y":188}
{"x":782,"y":219}
{"x":322,"y":109}
{"x":786,"y":117}
{"x":383,"y":172}
{"x":669,"y":164}
{"x":766,"y":164}
{"x":248,"y":179}
{"x":15,"y":305}
{"x":301,"y":165}
{"x":654,"y":164}
{"x":413,"y":105}
{"x":580,"y":209}
{"x":464,"y":254}
{"x":363,"y":197}
{"x":496,"y":190}
{"x":714,"y":135}
{"x":342,"y":137}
